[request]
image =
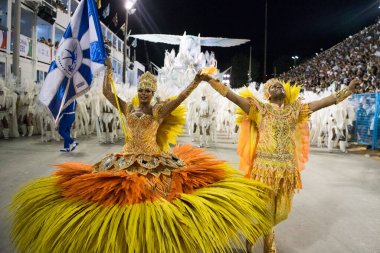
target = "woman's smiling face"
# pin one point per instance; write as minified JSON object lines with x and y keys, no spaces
{"x":145,"y":95}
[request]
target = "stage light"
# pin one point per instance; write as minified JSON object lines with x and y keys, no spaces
{"x":295,"y":58}
{"x":129,"y":4}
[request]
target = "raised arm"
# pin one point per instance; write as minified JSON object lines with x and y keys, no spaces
{"x":334,"y":98}
{"x":107,"y":89}
{"x":172,"y":104}
{"x":229,"y":94}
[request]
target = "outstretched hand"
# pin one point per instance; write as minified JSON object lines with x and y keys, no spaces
{"x":197,"y":77}
{"x":354,"y":84}
{"x":204,"y":77}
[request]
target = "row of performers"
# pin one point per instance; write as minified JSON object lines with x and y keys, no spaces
{"x":22,"y":115}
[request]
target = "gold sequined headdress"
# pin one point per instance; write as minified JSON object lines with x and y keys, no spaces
{"x":269,"y":84}
{"x":147,"y":81}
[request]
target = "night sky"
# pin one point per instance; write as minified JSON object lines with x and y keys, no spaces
{"x":296,"y":27}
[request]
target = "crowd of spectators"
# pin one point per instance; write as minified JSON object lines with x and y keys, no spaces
{"x":356,"y":56}
{"x":46,"y":41}
{"x":107,"y":44}
{"x":61,"y":6}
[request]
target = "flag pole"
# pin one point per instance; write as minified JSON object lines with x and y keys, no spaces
{"x":119,"y":109}
{"x":62,"y":102}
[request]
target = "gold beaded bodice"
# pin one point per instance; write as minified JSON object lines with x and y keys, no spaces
{"x":277,"y":148}
{"x":141,"y":153}
{"x":276,"y":127}
{"x":276,"y":141}
{"x":279,"y":143}
{"x":141,"y":132}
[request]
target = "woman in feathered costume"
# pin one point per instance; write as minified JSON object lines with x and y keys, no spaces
{"x":274,"y":140}
{"x":144,"y":198}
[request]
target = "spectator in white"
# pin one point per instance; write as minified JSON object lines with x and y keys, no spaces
{"x":204,"y":121}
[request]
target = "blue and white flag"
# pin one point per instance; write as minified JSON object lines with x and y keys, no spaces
{"x":80,"y":54}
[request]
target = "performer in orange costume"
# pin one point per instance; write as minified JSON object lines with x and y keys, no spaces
{"x":274,"y":140}
{"x":143,"y":198}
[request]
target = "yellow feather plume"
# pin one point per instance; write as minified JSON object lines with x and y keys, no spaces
{"x":208,"y":71}
{"x":135,"y":101}
{"x":292,"y":92}
{"x":171,"y":127}
{"x":245,"y":92}
{"x":209,"y":220}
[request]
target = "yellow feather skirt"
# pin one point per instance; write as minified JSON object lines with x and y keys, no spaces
{"x":209,"y":216}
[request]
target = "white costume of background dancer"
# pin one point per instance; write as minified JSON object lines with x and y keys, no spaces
{"x":27,"y":108}
{"x":108,"y":127}
{"x":82,"y":118}
{"x":92,"y":121}
{"x":8,"y":118}
{"x":204,"y":112}
{"x":192,"y":120}
{"x":345,"y":115}
{"x":332,"y":133}
{"x":213,"y":124}
{"x":47,"y":124}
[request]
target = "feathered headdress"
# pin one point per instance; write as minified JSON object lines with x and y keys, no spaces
{"x":291,"y":91}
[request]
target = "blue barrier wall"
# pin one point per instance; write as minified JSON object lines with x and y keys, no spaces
{"x":367,"y":123}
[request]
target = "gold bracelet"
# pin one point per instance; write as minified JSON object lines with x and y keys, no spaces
{"x":342,"y":95}
{"x":219,"y":87}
